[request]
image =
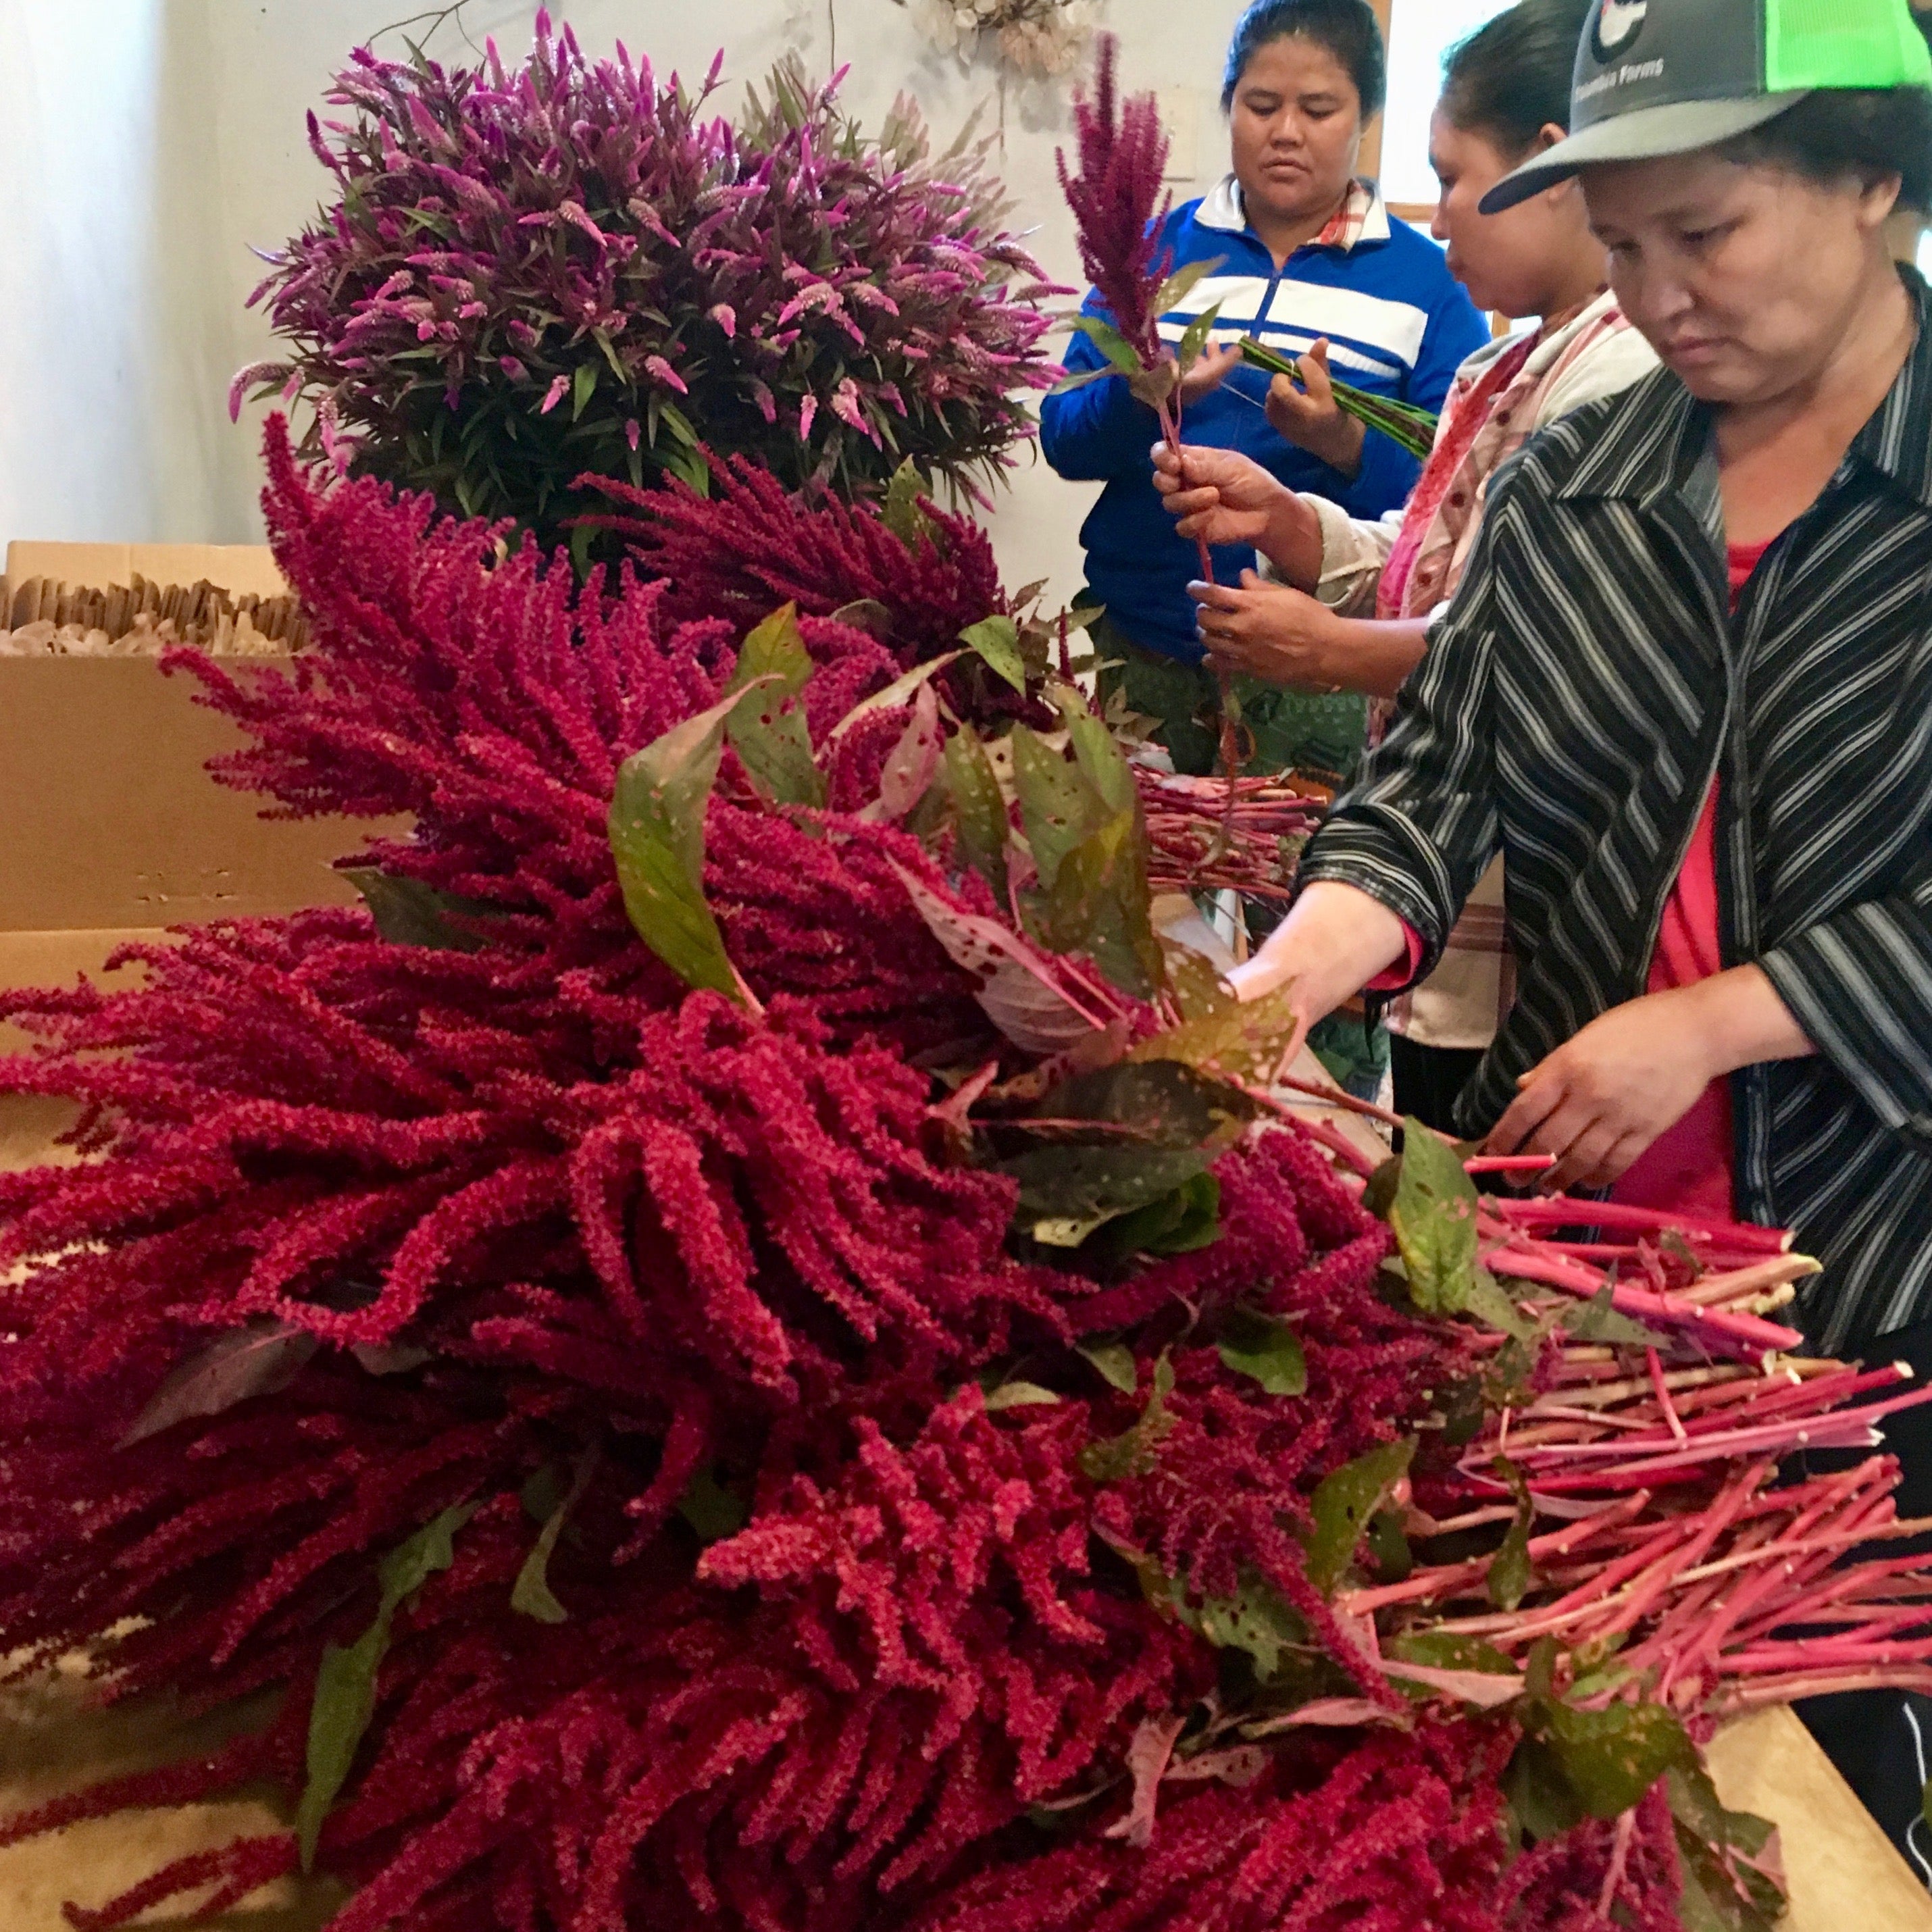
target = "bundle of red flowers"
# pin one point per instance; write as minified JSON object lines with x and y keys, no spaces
{"x":748,"y":1349}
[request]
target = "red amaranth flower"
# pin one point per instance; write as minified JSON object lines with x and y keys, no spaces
{"x":1115,"y":195}
{"x":751,"y":545}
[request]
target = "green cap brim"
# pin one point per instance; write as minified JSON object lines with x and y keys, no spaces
{"x":1674,"y":127}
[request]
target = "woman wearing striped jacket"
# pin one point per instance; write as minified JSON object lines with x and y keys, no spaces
{"x":1349,"y":599}
{"x":1685,"y":687}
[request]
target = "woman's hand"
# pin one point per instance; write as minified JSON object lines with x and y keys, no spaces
{"x":1602,"y":1097}
{"x":1210,"y":369}
{"x":1222,"y":498}
{"x":1273,"y":632}
{"x":1634,"y":1072}
{"x":1311,"y":419}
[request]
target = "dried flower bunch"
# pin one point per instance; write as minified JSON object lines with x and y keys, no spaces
{"x":563,"y":267}
{"x":1041,"y":38}
{"x":749,"y":1349}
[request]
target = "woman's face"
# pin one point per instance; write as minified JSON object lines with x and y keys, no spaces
{"x":1297,"y":127}
{"x":1505,"y":261}
{"x":1745,"y":277}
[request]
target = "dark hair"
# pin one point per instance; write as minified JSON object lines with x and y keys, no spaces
{"x":1348,"y":28}
{"x":1510,"y":80}
{"x":1838,"y":132}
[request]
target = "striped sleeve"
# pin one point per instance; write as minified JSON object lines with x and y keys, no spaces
{"x":1860,"y":984}
{"x":1418,"y":829}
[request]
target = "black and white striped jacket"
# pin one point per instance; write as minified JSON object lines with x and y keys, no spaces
{"x":1575,"y":703}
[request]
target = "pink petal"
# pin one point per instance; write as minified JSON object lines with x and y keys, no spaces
{"x":554,"y":395}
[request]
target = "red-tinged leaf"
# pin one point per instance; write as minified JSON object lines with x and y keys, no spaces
{"x":1147,"y":1755}
{"x":1479,"y":1688}
{"x":912,"y":764}
{"x":1239,"y":1764}
{"x":1344,"y":1711}
{"x":895,"y":696}
{"x":1015,"y":985}
{"x":260,"y":1360}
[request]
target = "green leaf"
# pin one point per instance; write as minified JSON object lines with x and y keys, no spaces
{"x":1509,"y":1575}
{"x":345,"y":1684}
{"x":711,"y":1509}
{"x":1540,"y":1796}
{"x":1493,"y":1304}
{"x":902,"y":513}
{"x":1448,"y":1650}
{"x":531,"y":1595}
{"x":998,"y":640}
{"x":1096,"y":751}
{"x":1194,"y":338}
{"x":1434,"y":1218}
{"x":1059,"y":806}
{"x":1179,"y":1223}
{"x":1067,"y":1192}
{"x":1258,"y":1620}
{"x":583,"y":387}
{"x":767,"y":729}
{"x":1079,"y":380}
{"x":1388,"y":1546}
{"x":978,"y":809}
{"x":1344,"y":1500}
{"x":1245,"y":1041}
{"x":1133,"y":1453}
{"x":1610,"y":1758}
{"x":1110,"y":342}
{"x":408,"y":913}
{"x":1725,"y":1889}
{"x":1266,"y":1351}
{"x":1179,"y":285}
{"x":1017,"y":1395}
{"x":1114,"y":1362}
{"x":1099,"y":904}
{"x":657,"y":837}
{"x":1597,"y":1320}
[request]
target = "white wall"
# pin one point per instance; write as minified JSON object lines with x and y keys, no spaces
{"x":135,"y":224}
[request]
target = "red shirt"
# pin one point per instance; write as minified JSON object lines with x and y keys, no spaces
{"x":1688,"y":1169}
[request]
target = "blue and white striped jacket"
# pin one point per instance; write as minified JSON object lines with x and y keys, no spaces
{"x":1398,"y":323}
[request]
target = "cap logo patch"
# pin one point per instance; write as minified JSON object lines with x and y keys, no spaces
{"x":1618,"y":24}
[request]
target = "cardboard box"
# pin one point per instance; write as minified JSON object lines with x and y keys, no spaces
{"x":111,"y":822}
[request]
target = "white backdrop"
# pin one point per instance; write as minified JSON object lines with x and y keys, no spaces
{"x":149,"y":142}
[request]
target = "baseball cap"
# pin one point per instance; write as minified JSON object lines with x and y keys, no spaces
{"x":1656,"y":77}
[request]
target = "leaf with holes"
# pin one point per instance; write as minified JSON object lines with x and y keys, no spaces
{"x":912,"y":764}
{"x":1434,"y":1217}
{"x":1344,"y":1500}
{"x":997,"y":641}
{"x":978,"y":809}
{"x":1015,"y":985}
{"x":767,"y":729}
{"x":1133,"y":1453}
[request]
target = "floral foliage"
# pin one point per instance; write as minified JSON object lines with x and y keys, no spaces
{"x":533,"y":273}
{"x":661,"y":1449}
{"x":748,"y":543}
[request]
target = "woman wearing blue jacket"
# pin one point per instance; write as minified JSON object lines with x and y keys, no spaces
{"x":1308,"y":256}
